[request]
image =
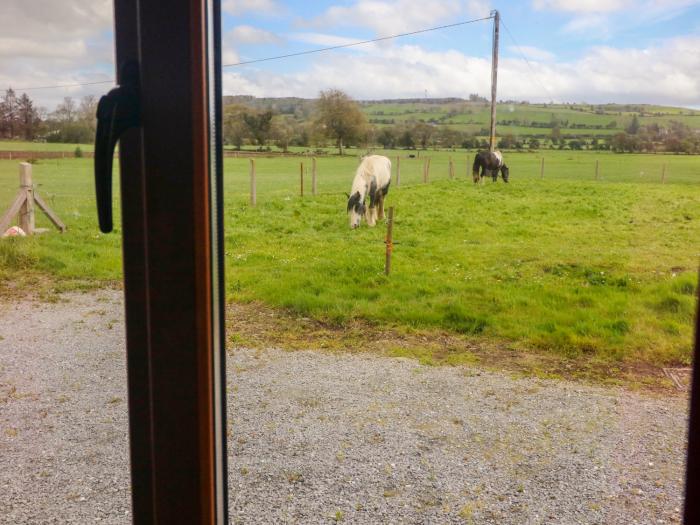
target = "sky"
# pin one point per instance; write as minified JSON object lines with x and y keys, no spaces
{"x":594,"y":51}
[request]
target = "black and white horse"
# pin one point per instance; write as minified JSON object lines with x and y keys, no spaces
{"x":489,"y":163}
{"x":372,"y":178}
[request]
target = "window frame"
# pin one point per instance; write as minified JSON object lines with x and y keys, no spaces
{"x":171,"y":179}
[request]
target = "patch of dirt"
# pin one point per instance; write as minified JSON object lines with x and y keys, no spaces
{"x":255,"y":325}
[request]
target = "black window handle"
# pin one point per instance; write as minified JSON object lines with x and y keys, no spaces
{"x":117,"y":111}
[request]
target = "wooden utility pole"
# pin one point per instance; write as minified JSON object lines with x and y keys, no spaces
{"x":494,"y":77}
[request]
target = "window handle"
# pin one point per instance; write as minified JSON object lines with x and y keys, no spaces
{"x":117,"y":111}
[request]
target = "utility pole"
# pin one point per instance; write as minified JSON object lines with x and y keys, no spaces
{"x":494,"y":77}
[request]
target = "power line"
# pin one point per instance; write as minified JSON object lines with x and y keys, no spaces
{"x":360,"y":43}
{"x":289,"y":55}
{"x":65,"y":85}
{"x":526,"y":60}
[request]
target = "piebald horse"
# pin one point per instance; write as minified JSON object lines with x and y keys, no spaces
{"x":372,"y":178}
{"x":487,"y":162}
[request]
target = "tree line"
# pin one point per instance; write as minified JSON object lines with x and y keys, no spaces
{"x":71,"y":122}
{"x":334,"y":119}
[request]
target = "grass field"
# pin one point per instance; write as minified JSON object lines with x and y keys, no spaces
{"x":564,"y":264}
{"x":15,"y":145}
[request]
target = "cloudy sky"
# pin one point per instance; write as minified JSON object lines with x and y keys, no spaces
{"x":576,"y":50}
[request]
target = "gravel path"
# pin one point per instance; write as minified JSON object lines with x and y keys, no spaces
{"x":319,"y":438}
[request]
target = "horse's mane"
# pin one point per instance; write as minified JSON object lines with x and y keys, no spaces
{"x":354,"y":200}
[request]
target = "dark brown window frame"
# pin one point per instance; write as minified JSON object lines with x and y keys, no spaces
{"x":171,"y":212}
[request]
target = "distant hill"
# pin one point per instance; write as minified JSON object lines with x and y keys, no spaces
{"x":521,"y":119}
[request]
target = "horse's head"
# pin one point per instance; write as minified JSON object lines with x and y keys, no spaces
{"x":356,"y":209}
{"x":505,"y":172}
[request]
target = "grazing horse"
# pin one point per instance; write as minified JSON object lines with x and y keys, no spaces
{"x":372,"y":178}
{"x":491,"y":162}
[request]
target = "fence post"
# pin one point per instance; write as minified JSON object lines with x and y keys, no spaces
{"x":313,"y":176}
{"x":542,"y":169}
{"x":389,"y":241}
{"x":451,"y":169}
{"x":26,"y":213}
{"x":597,"y":169}
{"x":253,"y":184}
{"x":663,"y":174}
{"x":398,"y":171}
{"x":301,"y":178}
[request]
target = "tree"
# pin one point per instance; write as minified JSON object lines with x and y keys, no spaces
{"x":556,"y":133}
{"x":340,"y":117}
{"x":633,"y":128}
{"x":28,"y":117}
{"x":8,"y":114}
{"x":422,"y":133}
{"x":65,"y":111}
{"x":534,"y":144}
{"x":387,"y":138}
{"x":259,"y":125}
{"x":507,"y":142}
{"x":87,"y":111}
{"x":234,"y":127}
{"x":406,"y":140}
{"x":283,"y":132}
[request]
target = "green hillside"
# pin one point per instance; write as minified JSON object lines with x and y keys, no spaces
{"x":521,"y":119}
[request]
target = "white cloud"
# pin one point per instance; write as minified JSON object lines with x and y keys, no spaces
{"x":661,"y":74}
{"x":391,"y":17}
{"x":44,"y":43}
{"x":532,"y":53}
{"x":583,"y":6}
{"x":323,"y":39}
{"x":245,"y":34}
{"x":601,"y":19}
{"x":239,"y":7}
{"x":610,"y":6}
{"x":479,"y":8}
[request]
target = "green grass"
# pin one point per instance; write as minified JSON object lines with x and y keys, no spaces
{"x":16,"y":145}
{"x":567,"y":265}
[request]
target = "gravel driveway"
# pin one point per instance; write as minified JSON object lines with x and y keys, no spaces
{"x":320,"y":438}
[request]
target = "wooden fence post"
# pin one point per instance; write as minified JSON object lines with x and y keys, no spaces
{"x":398,"y":171}
{"x":24,"y":205}
{"x":389,"y":240}
{"x":542,"y":169}
{"x":26,"y":213}
{"x":301,"y":178}
{"x":313,"y":176}
{"x":451,"y":169}
{"x":597,"y":169}
{"x":663,"y":174}
{"x":253,"y":184}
